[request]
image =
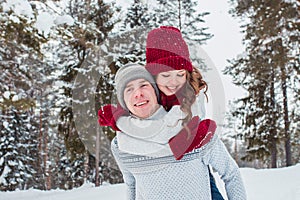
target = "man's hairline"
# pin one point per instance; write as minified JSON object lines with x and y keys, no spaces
{"x":143,"y":80}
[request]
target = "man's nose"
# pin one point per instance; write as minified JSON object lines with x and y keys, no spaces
{"x":138,"y":93}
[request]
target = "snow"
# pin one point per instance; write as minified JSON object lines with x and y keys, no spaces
{"x":15,"y":98}
{"x":20,"y":7}
{"x":6,"y":170}
{"x":64,"y":19}
{"x":6,"y":94}
{"x":261,"y":184}
{"x":44,"y":22}
{"x":283,"y":183}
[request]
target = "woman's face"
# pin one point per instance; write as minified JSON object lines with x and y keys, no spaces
{"x":171,"y":81}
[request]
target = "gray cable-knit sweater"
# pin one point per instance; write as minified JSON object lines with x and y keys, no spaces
{"x":164,"y":178}
{"x":151,"y":172}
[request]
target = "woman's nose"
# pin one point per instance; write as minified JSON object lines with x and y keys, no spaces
{"x":172,"y":80}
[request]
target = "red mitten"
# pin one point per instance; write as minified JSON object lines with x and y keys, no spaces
{"x":205,"y":132}
{"x":109,"y":114}
{"x":199,"y":136}
{"x":105,"y":115}
{"x":181,"y":142}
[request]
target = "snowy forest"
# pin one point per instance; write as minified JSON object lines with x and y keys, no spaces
{"x":57,"y":64}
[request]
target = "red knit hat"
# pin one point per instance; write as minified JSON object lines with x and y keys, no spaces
{"x":166,"y":50}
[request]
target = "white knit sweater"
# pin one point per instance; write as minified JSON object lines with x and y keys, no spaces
{"x":150,"y":137}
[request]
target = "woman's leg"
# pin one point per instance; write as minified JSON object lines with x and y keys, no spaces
{"x":215,"y":193}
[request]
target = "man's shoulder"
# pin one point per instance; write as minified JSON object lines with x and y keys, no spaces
{"x":114,"y":144}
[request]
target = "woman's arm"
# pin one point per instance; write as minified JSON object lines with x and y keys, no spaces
{"x":142,"y":147}
{"x":159,"y":128}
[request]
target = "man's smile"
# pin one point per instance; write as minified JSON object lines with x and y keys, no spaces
{"x":141,"y":103}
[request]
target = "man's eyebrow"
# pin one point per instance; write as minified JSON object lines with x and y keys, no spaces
{"x":140,"y":82}
{"x":128,"y":85}
{"x":144,"y":81}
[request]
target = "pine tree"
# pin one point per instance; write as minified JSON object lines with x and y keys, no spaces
{"x":271,"y":36}
{"x":137,"y":15}
{"x":16,"y":156}
{"x":181,"y":14}
{"x":193,"y":23}
{"x":19,"y":66}
{"x":94,"y":20}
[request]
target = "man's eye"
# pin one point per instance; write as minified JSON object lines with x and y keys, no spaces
{"x":128,"y":90}
{"x":144,"y":85}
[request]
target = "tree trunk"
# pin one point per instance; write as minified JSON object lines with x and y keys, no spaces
{"x":179,"y":14}
{"x":273,"y":131}
{"x":40,"y":144}
{"x":86,"y":166}
{"x":46,"y":167}
{"x":97,"y":155}
{"x":286,"y":118}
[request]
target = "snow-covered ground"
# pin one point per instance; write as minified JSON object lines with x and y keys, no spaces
{"x":263,"y":184}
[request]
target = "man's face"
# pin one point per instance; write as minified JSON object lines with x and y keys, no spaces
{"x":140,"y":98}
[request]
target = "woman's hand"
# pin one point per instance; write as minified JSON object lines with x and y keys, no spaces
{"x":198,"y":135}
{"x":109,"y":114}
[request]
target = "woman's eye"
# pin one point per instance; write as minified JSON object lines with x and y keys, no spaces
{"x":180,"y":75}
{"x":165,"y":75}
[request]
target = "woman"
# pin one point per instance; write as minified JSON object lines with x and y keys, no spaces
{"x":165,"y":177}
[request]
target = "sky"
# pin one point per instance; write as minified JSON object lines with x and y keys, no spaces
{"x":226,"y":43}
{"x":262,"y":184}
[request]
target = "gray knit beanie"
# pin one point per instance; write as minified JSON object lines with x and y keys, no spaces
{"x":131,"y":72}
